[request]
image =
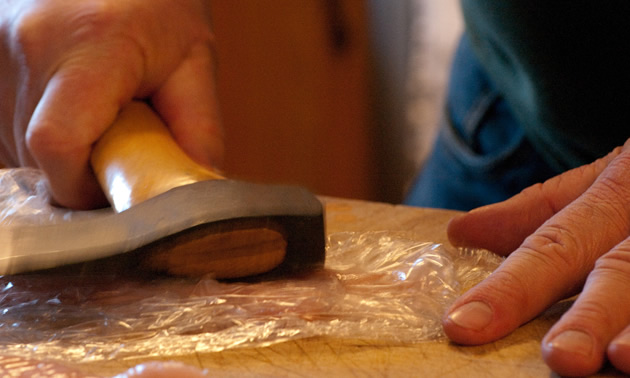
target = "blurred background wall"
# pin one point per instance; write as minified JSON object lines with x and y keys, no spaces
{"x":340,"y":96}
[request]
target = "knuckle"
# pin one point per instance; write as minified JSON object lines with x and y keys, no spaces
{"x":47,"y":140}
{"x":554,"y":245}
{"x":615,"y":265}
{"x":83,"y":17}
{"x":621,"y":156}
{"x":614,"y":182}
{"x":609,"y":198}
{"x":33,"y":30}
{"x":547,"y":190}
{"x":507,"y":286}
{"x":592,"y":311}
{"x":95,"y":16}
{"x":613,"y":187}
{"x":26,"y":34}
{"x":540,"y":191}
{"x":610,"y":277}
{"x":555,"y":253}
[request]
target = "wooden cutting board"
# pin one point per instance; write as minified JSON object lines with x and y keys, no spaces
{"x":517,"y":355}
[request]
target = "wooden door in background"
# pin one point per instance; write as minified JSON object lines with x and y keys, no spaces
{"x":294,"y":88}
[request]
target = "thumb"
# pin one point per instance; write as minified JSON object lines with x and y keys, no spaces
{"x":503,"y":226}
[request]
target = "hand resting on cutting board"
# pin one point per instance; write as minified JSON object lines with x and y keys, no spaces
{"x":565,"y":235}
{"x":69,"y":67}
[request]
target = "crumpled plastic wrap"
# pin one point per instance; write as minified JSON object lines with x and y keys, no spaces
{"x":375,"y":286}
{"x":24,"y":200}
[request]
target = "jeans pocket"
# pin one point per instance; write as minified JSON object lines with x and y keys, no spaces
{"x":485,"y":137}
{"x":482,"y":154}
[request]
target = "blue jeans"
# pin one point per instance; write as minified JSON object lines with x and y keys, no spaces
{"x":481,"y":154}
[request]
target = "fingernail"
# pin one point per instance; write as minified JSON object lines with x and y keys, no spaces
{"x":623,"y":340}
{"x":574,"y":342}
{"x":473,"y":315}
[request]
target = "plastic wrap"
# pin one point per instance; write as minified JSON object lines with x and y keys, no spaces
{"x":375,"y":286}
{"x":24,"y":200}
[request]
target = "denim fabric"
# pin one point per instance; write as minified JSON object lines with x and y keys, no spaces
{"x":481,"y":154}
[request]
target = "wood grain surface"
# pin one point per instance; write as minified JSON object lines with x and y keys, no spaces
{"x":517,"y":355}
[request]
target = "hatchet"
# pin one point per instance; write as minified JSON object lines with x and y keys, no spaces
{"x":172,"y":215}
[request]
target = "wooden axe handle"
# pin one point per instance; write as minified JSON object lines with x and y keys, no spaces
{"x":137,"y":159}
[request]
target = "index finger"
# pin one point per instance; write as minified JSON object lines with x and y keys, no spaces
{"x":502,"y":227}
{"x":77,"y":106}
